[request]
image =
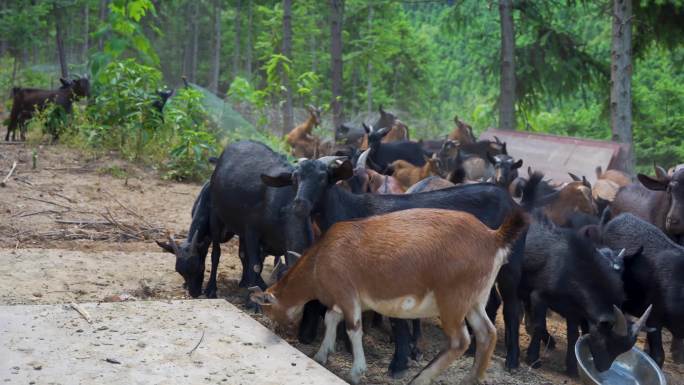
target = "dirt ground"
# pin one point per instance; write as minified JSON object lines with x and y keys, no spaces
{"x":82,"y":229}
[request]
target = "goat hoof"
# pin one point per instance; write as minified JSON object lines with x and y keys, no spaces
{"x":210,"y":293}
{"x":399,"y":374}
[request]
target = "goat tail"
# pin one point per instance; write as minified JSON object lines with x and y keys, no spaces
{"x":512,"y":227}
{"x":529,"y":191}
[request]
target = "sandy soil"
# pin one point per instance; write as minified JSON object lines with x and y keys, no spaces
{"x":105,"y":252}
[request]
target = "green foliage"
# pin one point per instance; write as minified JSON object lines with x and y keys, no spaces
{"x":124,"y":34}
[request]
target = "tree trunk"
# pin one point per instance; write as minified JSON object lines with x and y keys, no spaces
{"x":621,"y":80}
{"x":103,"y":19}
{"x":86,"y":32}
{"x":58,"y":12}
{"x":369,"y":71}
{"x":288,"y":123}
{"x":248,"y":53}
{"x":236,"y":51}
{"x":213,"y":84}
{"x":3,"y":42}
{"x":336,"y":20}
{"x":195,"y":42}
{"x":507,"y":96}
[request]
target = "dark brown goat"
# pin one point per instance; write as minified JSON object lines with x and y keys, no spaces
{"x":414,"y":263}
{"x":574,"y":197}
{"x":658,"y":200}
{"x":28,"y":100}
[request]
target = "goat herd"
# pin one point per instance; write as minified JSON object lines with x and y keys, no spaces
{"x":408,"y":232}
{"x":444,"y":229}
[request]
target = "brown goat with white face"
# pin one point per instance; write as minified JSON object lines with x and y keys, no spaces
{"x":407,"y":174}
{"x":304,"y":144}
{"x":407,"y":264}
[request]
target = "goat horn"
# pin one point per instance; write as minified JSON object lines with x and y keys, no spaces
{"x":174,"y":245}
{"x":294,"y":254}
{"x":330,"y":159}
{"x":254,"y":289}
{"x":641,"y":322}
{"x":363,"y":158}
{"x":620,"y":327}
{"x":621,"y":253}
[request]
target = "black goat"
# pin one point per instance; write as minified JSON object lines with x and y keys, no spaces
{"x":330,"y":203}
{"x":28,"y":100}
{"x":568,"y":274}
{"x":235,"y":202}
{"x":383,"y":154}
{"x":653,"y":276}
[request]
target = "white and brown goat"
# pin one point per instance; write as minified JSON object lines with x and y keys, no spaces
{"x":409,"y":264}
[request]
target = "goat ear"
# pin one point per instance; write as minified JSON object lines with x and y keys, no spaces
{"x":343,"y":171}
{"x":574,"y":177}
{"x":263,"y":298}
{"x":651,"y":183}
{"x":64,"y":81}
{"x":280,"y":180}
{"x":366,"y":128}
{"x":599,"y":172}
{"x":517,"y":164}
{"x":491,"y":159}
{"x":503,"y":149}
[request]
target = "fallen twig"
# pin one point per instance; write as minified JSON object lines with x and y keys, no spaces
{"x":81,"y":222}
{"x":62,"y":196}
{"x":38,"y":213}
{"x":9,"y":174}
{"x":198,"y":344}
{"x":81,"y":311}
{"x":113,"y":361}
{"x":44,"y":201}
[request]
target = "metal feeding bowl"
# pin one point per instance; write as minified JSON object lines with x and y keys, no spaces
{"x":633,"y":367}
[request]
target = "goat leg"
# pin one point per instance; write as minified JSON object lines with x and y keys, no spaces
{"x":402,"y":349}
{"x":538,"y":320}
{"x":573,"y":336}
{"x":655,"y":346}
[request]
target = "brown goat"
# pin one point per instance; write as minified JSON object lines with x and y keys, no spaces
{"x":463,"y":132}
{"x":607,"y":185}
{"x":571,"y":198}
{"x":414,"y":263}
{"x":398,"y":132}
{"x":407,"y":174}
{"x":304,"y":144}
{"x":615,"y":176}
{"x":431,"y":183}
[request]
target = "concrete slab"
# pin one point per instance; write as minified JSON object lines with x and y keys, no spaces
{"x":53,"y":344}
